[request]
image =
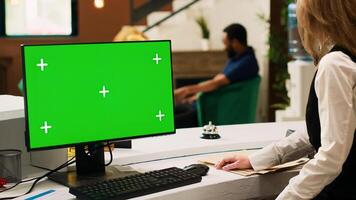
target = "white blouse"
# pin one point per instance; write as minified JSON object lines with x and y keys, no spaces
{"x":335,"y":87}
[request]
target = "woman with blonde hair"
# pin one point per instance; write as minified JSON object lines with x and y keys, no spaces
{"x":327,"y":29}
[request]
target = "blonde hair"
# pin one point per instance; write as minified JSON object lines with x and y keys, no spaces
{"x":325,"y":23}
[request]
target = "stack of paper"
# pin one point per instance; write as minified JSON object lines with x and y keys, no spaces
{"x":212,"y":160}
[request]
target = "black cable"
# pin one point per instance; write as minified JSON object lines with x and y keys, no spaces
{"x":22,"y":181}
{"x":18,"y":183}
{"x":69,"y":162}
{"x":111,"y":157}
{"x":37,"y":179}
{"x":44,"y":176}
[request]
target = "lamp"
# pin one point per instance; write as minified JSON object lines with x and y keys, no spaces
{"x":99,"y":4}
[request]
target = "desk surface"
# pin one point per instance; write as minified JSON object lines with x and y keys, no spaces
{"x":187,"y":142}
{"x":216,"y":185}
{"x":185,"y":148}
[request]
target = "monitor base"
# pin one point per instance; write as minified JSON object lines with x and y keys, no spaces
{"x":90,"y":167}
{"x":72,"y":179}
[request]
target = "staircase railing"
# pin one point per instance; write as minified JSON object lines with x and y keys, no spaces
{"x":142,"y":11}
{"x":153,"y":5}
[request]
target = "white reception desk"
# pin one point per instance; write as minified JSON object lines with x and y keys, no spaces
{"x":185,"y":148}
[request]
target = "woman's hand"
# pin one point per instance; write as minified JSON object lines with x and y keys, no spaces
{"x":234,"y":162}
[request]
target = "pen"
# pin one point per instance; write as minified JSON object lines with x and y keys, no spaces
{"x":40,"y":195}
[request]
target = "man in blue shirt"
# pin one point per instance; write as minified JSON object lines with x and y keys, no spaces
{"x":242,"y":65}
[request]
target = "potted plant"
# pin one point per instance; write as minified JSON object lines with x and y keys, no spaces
{"x":201,"y":21}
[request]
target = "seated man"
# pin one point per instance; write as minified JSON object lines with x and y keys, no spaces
{"x":242,"y":65}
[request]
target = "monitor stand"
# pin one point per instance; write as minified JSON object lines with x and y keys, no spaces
{"x":126,"y":144}
{"x":90,"y":167}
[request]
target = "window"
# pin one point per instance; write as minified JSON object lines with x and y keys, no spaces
{"x":38,"y":17}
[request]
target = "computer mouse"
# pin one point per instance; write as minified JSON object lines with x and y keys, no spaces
{"x":198,"y":169}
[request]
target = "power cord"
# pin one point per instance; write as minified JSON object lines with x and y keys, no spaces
{"x":111,"y":156}
{"x":37,"y":179}
{"x":69,"y":162}
{"x":16,"y":184}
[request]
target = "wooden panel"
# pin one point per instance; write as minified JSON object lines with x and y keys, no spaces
{"x":198,"y":64}
{"x":4,"y":65}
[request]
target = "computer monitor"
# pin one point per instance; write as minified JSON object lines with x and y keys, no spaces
{"x":87,"y":94}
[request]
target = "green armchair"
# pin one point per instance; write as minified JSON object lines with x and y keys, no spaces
{"x":232,"y":104}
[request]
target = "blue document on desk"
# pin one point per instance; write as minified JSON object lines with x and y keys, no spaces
{"x":50,"y":194}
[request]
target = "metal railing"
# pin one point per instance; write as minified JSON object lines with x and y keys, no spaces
{"x":154,"y":5}
{"x":138,"y":13}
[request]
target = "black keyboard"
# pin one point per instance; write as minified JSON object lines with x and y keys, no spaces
{"x":136,"y":185}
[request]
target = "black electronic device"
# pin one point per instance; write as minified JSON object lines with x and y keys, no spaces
{"x":136,"y":185}
{"x":126,"y":144}
{"x":198,"y":169}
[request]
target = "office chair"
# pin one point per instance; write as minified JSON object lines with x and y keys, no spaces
{"x":232,"y":104}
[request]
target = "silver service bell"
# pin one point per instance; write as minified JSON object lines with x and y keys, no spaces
{"x":210,"y":131}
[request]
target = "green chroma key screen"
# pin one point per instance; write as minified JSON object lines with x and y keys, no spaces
{"x":81,"y":93}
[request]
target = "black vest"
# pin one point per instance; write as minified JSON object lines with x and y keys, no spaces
{"x":344,"y":186}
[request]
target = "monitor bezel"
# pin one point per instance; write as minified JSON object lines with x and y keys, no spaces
{"x":27,"y":133}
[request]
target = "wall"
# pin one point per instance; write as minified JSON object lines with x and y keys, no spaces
{"x":102,"y":25}
{"x":246,"y":13}
{"x":95,"y":25}
{"x":185,"y":34}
